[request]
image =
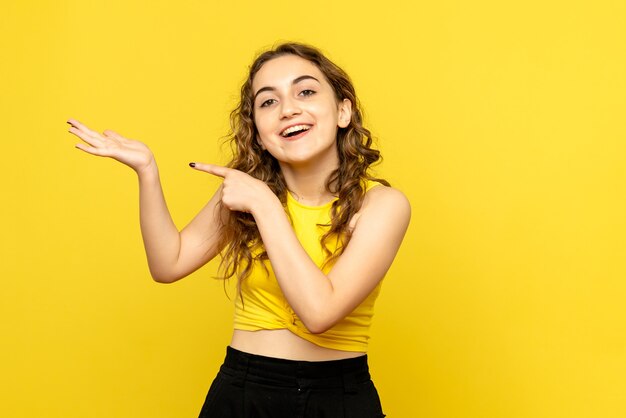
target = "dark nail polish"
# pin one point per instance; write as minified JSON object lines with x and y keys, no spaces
{"x":192,"y":164}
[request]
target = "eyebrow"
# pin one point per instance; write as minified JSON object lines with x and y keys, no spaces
{"x":294,"y":82}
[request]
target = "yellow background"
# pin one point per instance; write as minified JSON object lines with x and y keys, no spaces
{"x":504,"y":123}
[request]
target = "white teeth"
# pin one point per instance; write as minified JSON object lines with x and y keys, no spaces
{"x":294,"y":129}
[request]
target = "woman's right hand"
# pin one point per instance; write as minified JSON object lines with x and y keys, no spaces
{"x":132,"y":153}
{"x":171,"y":254}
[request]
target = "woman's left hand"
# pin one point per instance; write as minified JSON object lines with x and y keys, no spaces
{"x":240,"y":191}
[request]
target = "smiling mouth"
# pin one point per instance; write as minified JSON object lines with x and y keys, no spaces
{"x":295,"y":131}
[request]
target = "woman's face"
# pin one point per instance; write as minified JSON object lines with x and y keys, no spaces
{"x":296,"y":112}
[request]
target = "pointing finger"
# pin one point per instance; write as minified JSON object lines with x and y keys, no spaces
{"x":216,"y":170}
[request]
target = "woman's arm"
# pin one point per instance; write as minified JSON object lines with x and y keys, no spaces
{"x":171,"y":254}
{"x":321,"y":300}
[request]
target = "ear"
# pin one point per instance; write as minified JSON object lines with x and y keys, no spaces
{"x":345,"y":113}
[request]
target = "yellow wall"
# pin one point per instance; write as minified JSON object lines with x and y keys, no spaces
{"x":504,"y":122}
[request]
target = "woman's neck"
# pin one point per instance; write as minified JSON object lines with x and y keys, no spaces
{"x":308,"y":184}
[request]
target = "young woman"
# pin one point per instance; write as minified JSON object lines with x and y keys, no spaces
{"x":300,"y":223}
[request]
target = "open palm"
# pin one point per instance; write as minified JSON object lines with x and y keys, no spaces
{"x":110,"y":144}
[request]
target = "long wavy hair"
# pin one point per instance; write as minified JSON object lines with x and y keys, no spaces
{"x":240,"y":239}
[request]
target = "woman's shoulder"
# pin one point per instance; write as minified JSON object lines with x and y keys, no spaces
{"x":380,"y":196}
{"x":384,"y":203}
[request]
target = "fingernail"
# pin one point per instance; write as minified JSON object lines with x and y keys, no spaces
{"x":192,"y":164}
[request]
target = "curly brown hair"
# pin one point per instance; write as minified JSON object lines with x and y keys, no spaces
{"x":240,"y":239}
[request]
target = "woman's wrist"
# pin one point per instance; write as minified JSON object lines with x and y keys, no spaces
{"x":269,"y":204}
{"x":148,"y":172}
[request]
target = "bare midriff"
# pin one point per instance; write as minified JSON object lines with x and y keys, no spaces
{"x":282,"y":343}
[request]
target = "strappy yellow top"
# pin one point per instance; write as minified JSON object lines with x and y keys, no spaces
{"x":263,"y":306}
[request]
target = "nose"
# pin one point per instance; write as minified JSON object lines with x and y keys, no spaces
{"x":289,"y":108}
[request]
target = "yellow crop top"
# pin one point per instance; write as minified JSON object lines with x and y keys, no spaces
{"x":265,"y":307}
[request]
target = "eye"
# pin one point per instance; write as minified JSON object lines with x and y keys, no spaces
{"x":267,"y":102}
{"x":307,"y":92}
